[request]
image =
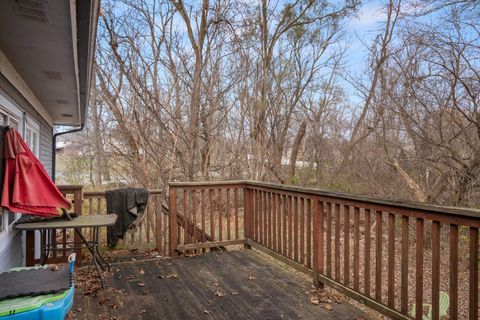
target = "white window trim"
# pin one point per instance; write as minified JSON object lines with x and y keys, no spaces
{"x":10,"y":109}
{"x":34,"y":127}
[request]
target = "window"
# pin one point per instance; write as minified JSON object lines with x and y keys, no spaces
{"x":11,"y":115}
{"x":32,"y":136}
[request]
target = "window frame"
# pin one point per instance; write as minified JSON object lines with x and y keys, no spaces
{"x":11,"y":112}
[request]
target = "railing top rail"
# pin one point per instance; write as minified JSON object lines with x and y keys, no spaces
{"x":96,"y":194}
{"x":207,"y":183}
{"x":409,"y":205}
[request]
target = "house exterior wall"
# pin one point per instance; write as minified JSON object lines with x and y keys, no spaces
{"x":12,"y":243}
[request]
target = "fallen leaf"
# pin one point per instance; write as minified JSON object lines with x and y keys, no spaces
{"x":206,"y":311}
{"x":219,"y":293}
{"x":251,"y":278}
{"x":141,"y":284}
{"x":235,"y":293}
{"x":327,"y":306}
{"x":172,"y":276}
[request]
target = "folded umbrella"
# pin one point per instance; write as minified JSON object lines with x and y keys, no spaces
{"x":27,"y":187}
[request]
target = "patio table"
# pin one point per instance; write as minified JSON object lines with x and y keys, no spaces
{"x":77,"y":223}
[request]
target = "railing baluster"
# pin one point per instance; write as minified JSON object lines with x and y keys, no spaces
{"x":321,"y":230}
{"x":186,"y":238}
{"x":316,"y":241}
{"x":337,"y":242}
{"x":274,"y":222}
{"x":309,"y":231}
{"x":194,"y":216}
{"x":268,"y":219}
{"x":247,"y":215}
{"x":290,"y":227}
{"x":453,"y":272}
{"x":419,"y":270}
{"x":391,"y":260}
{"x":90,"y":212}
{"x":366,"y":260}
{"x":404,"y":267}
{"x":235,"y":195}
{"x":280,"y":225}
{"x":211,"y":194}
{"x":229,"y":235}
{"x":203,"y":213}
{"x":220,"y":214}
{"x":148,"y":213}
{"x":158,"y":223}
{"x":295,"y":228}
{"x":302,"y":230}
{"x":284,"y":224}
{"x":378,"y":256}
{"x":435,"y":270}
{"x":172,"y":222}
{"x":258,"y":209}
{"x":356,"y":248}
{"x":473,"y":274}
{"x":346,"y":252}
{"x":329,"y":238}
{"x":261,"y":216}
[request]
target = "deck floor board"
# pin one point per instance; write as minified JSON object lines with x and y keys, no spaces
{"x":274,"y":293}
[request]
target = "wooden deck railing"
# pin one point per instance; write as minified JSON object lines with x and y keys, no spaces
{"x":204,"y":214}
{"x":387,"y":254}
{"x":151,"y":232}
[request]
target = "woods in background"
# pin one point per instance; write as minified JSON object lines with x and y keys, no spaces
{"x":227,"y":89}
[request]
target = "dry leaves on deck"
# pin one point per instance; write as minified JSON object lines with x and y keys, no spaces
{"x":325,"y":298}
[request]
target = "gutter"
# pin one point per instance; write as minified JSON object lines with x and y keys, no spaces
{"x":54,"y":147}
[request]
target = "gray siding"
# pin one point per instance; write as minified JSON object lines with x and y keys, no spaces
{"x":46,"y":133}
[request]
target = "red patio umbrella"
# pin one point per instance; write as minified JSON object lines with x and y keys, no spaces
{"x":27,"y":187}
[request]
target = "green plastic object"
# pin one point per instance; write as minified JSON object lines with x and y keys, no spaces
{"x":444,"y":303}
{"x":22,"y":304}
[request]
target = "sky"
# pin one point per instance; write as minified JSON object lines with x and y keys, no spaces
{"x":361,"y":30}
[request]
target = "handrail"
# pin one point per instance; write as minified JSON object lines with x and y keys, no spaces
{"x":96,"y":194}
{"x":458,"y":211}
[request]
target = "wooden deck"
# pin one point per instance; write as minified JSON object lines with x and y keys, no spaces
{"x":230,"y":285}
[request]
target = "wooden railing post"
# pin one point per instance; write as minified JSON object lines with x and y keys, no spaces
{"x":247,"y":214}
{"x":172,"y":222}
